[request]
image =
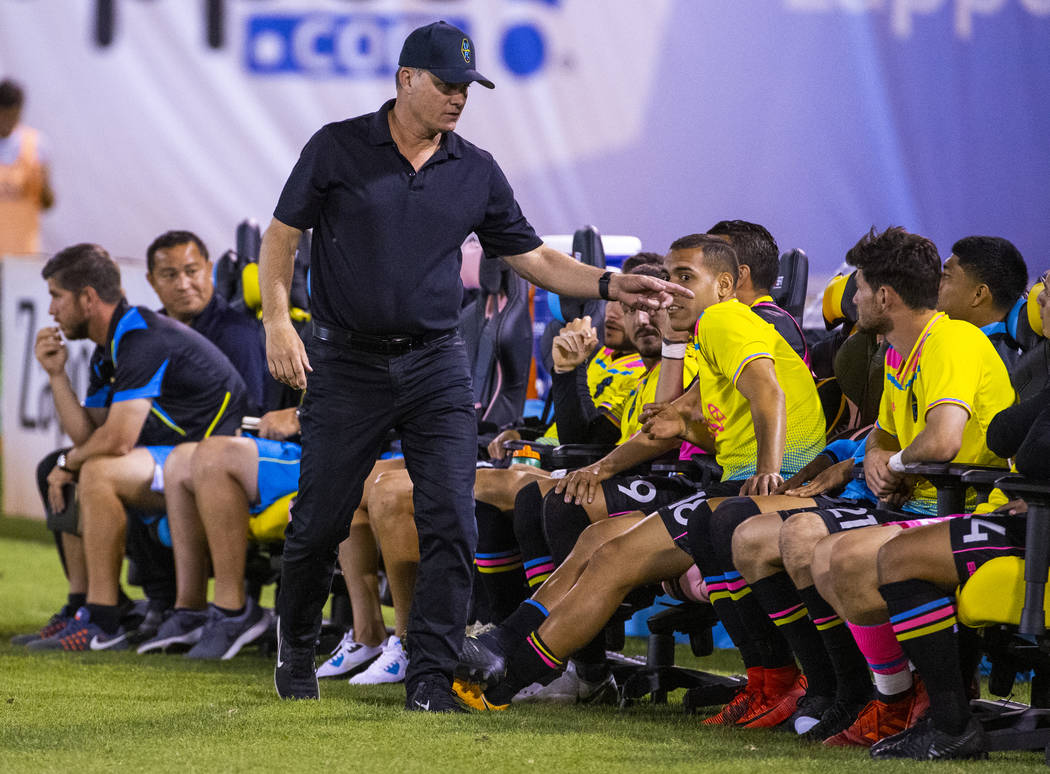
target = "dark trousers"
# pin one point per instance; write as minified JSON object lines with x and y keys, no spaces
{"x":352,"y":400}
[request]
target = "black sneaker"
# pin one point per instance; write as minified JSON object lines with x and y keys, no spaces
{"x":924,"y":742}
{"x":481,"y":660}
{"x":808,"y":713}
{"x":433,"y":694}
{"x":223,"y":635}
{"x":838,"y":717}
{"x":182,"y":627}
{"x":294,"y":676}
{"x":50,"y":629}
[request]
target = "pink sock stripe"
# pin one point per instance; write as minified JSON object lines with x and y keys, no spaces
{"x":716,"y":587}
{"x":786,"y":612}
{"x":923,"y":620}
{"x":829,"y":619}
{"x":542,"y":655}
{"x":736,"y":585}
{"x":547,"y":568}
{"x":498,"y":562}
{"x":879,"y":646}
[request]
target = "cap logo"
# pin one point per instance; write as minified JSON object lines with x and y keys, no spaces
{"x":465,"y":50}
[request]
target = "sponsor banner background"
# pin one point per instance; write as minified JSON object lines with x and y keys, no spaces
{"x":818,"y":118}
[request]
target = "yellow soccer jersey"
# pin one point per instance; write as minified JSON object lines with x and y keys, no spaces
{"x":645,"y":392}
{"x":609,"y":381}
{"x":728,"y":336}
{"x":952,"y":362}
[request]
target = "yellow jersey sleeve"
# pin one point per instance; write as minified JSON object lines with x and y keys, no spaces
{"x":952,"y":363}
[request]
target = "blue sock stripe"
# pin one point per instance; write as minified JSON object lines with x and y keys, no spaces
{"x":538,"y":606}
{"x":541,"y":560}
{"x":937,"y":603}
{"x":498,"y":555}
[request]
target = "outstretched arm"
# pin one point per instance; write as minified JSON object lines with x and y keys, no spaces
{"x":557,"y":272}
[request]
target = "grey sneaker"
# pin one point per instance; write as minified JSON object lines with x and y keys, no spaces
{"x":223,"y":636}
{"x":51,"y":628}
{"x":182,"y":627}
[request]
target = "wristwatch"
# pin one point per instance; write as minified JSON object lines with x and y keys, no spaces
{"x":60,"y":463}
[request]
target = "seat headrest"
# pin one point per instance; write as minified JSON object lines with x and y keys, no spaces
{"x":1035,"y":318}
{"x":838,"y":305}
{"x":490,"y":275}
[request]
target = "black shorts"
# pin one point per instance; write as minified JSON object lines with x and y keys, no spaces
{"x":840,"y":514}
{"x":680,"y":515}
{"x":978,"y":538}
{"x":628,"y":494}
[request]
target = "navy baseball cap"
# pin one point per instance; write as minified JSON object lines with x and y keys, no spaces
{"x":444,"y":50}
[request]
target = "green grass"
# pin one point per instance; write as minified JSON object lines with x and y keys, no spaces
{"x":109,"y":711}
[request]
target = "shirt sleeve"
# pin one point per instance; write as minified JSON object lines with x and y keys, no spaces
{"x":504,"y":229}
{"x":949,"y":375}
{"x":141,"y":365}
{"x":730,"y":344}
{"x":98,"y":391}
{"x":299,"y":205}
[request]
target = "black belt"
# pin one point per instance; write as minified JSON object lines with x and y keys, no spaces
{"x":397,"y":344}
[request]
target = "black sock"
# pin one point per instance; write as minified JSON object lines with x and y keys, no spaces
{"x":516,"y":626}
{"x":853,"y":680}
{"x":780,"y":599}
{"x":590,"y":660}
{"x":531,"y":662}
{"x":528,"y":529}
{"x":106,"y":617}
{"x":76,"y":601}
{"x":734,"y":625}
{"x":230,"y":613}
{"x":923,"y":618}
{"x":498,"y":560}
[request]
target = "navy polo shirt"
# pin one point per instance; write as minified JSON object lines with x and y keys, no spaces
{"x":239,"y":337}
{"x":385,"y":256}
{"x":195,"y":390}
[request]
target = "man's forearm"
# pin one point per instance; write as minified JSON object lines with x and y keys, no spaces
{"x":276,"y":262}
{"x":634,"y":452}
{"x":557,"y":272}
{"x":770,"y":431}
{"x":72,"y":417}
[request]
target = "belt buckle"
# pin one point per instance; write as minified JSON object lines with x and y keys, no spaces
{"x":396,"y":344}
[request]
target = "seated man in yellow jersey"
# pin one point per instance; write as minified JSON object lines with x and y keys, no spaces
{"x":391,"y":504}
{"x":601,"y":489}
{"x":749,"y":381}
{"x":920,"y":569}
{"x":936,"y":402}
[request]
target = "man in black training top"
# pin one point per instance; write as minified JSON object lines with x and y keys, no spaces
{"x":391,"y":196}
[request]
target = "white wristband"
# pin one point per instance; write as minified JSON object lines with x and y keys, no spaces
{"x":895,"y":463}
{"x":672,"y":351}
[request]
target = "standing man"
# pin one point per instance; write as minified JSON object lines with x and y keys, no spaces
{"x":391,"y":196}
{"x":25,"y":187}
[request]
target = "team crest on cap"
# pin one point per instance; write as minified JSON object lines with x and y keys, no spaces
{"x":465,"y":50}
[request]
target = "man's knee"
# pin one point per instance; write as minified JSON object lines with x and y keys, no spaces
{"x":563,"y":523}
{"x":725,"y":519}
{"x":391,"y":502}
{"x":612,"y":566}
{"x":756,"y":545}
{"x":798,"y":536}
{"x":528,"y":515}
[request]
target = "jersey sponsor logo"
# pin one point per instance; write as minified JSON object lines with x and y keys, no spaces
{"x":716,"y":419}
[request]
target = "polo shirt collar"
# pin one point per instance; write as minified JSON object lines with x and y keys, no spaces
{"x":379,"y":133}
{"x":122,"y":308}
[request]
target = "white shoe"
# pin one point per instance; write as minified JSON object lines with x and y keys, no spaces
{"x":348,"y":655}
{"x":569,"y":688}
{"x":388,"y":668}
